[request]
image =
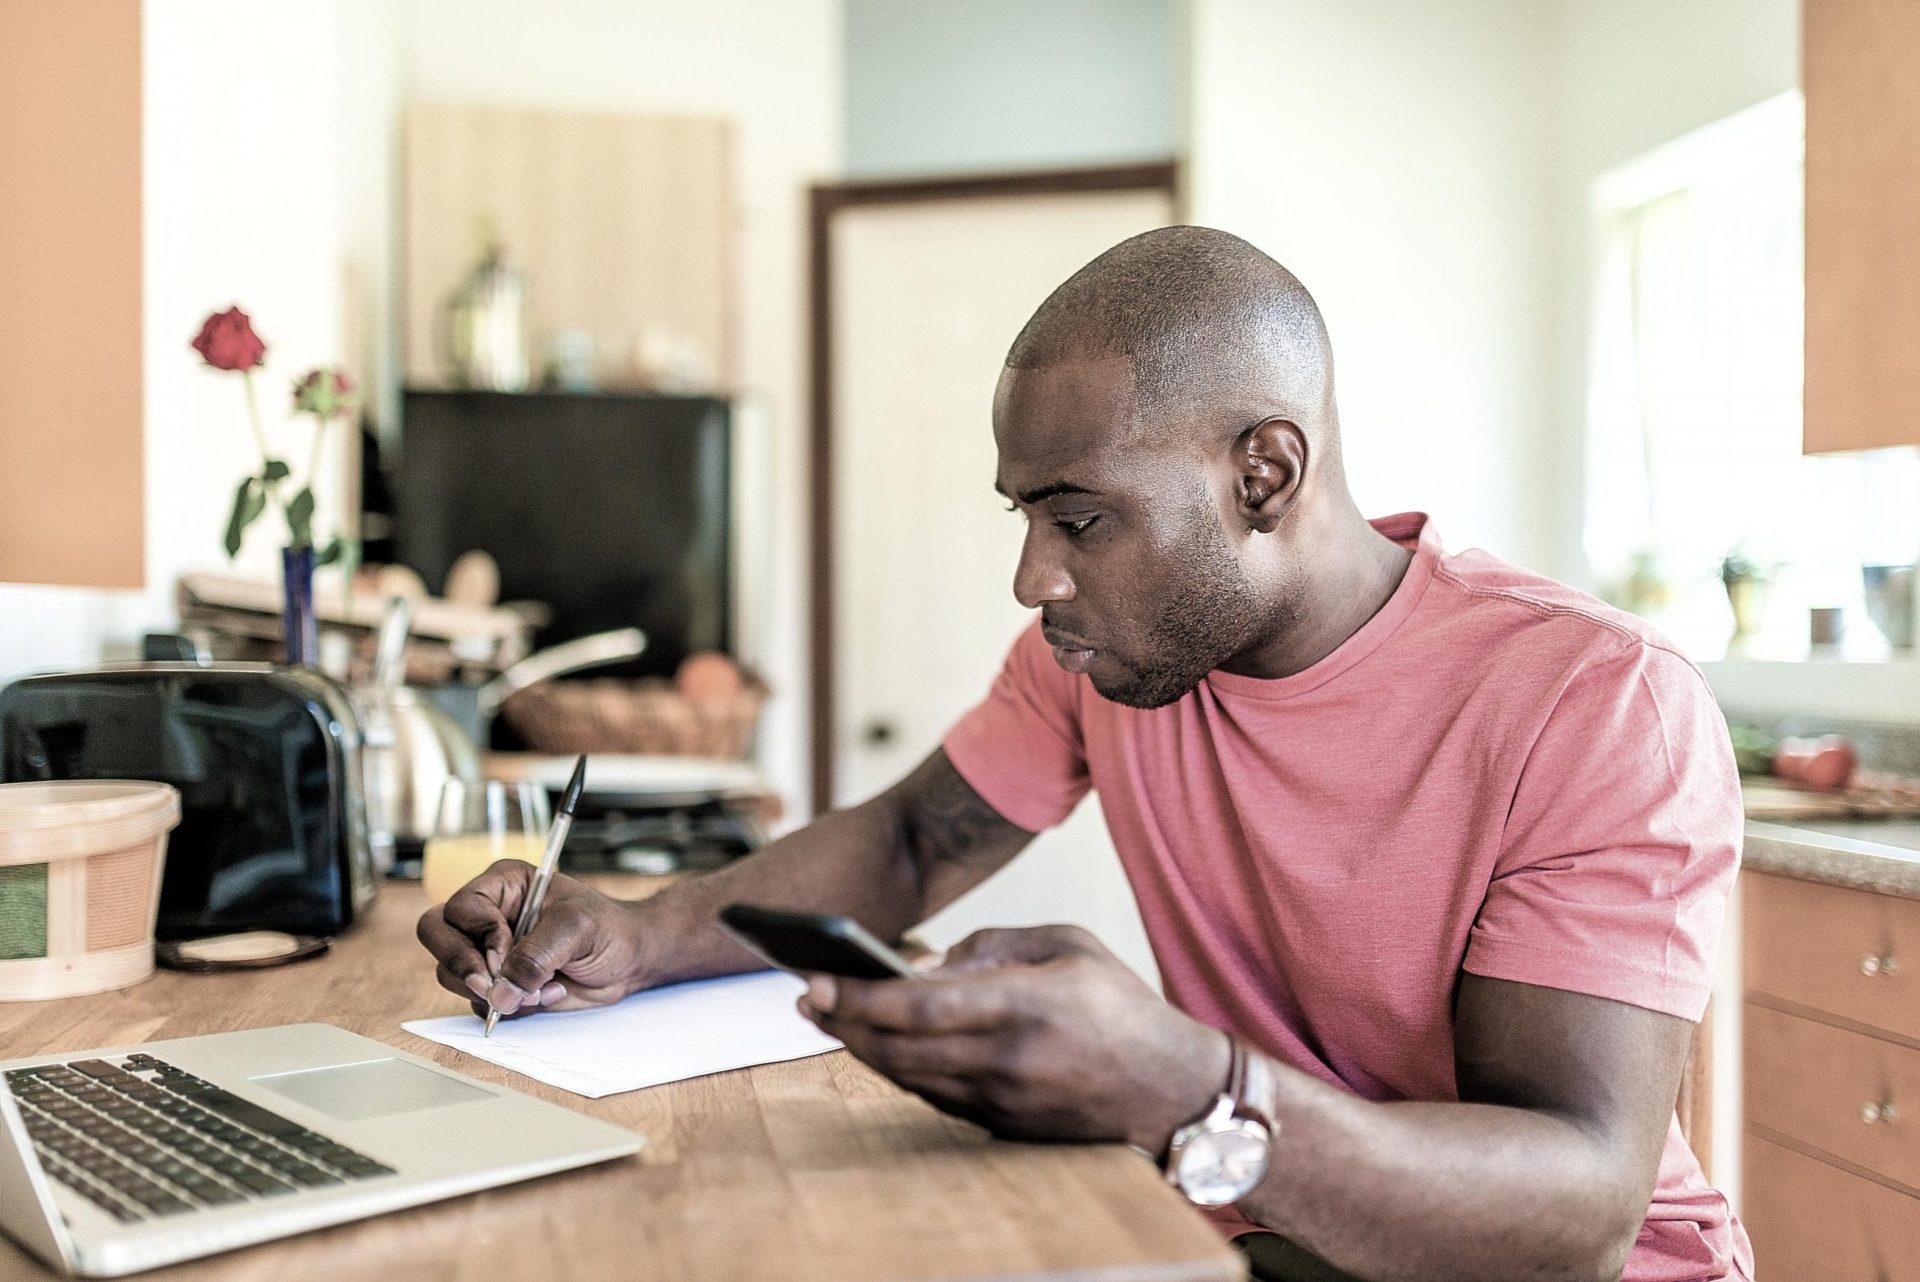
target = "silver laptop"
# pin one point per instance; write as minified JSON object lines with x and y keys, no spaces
{"x":114,"y":1161}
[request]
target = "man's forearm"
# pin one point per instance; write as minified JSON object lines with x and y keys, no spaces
{"x":1398,"y":1192}
{"x":889,"y":863}
{"x":847,"y":862}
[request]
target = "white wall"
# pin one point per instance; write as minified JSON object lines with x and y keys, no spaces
{"x":1426,"y":167}
{"x":367,"y":152}
{"x":773,"y":66}
{"x":986,"y":86}
{"x":1391,"y":153}
{"x":1629,"y":76}
{"x":239,"y":192}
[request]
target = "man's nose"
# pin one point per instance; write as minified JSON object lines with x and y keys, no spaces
{"x":1039,"y":578}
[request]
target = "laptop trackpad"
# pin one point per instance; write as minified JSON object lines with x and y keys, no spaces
{"x":377,"y":1088}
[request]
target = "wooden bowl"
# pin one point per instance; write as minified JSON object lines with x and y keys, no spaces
{"x":80,"y":864}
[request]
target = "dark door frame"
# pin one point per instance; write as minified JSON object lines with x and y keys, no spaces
{"x":826,"y":201}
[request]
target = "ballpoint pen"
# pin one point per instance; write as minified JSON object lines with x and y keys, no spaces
{"x":543,"y":875}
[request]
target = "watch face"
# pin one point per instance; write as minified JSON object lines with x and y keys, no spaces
{"x":1223,"y":1165}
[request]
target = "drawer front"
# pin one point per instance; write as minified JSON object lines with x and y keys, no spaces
{"x":1846,"y":952}
{"x":1832,"y":1089}
{"x":1811,"y":1222}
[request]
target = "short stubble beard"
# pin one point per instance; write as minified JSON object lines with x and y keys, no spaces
{"x":1213,"y":614}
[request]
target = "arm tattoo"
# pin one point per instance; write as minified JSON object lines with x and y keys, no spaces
{"x":948,"y":822}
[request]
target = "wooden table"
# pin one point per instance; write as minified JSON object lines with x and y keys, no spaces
{"x":816,"y":1169}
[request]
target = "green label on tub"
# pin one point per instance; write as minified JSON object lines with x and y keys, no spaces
{"x":23,"y":911}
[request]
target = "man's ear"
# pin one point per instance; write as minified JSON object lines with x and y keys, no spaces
{"x":1271,"y":459}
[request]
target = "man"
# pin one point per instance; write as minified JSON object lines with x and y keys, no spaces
{"x":1433,"y":853}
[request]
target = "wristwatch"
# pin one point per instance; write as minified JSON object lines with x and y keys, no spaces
{"x":1222,"y":1157}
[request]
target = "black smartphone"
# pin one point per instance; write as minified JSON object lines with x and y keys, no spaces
{"x":813,"y":943}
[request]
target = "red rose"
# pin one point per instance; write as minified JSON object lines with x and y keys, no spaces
{"x":227,"y":341}
{"x":325,"y":392}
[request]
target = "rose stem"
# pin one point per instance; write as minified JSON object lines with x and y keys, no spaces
{"x":260,"y":440}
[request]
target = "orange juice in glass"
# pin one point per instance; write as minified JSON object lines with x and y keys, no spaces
{"x":478,"y":824}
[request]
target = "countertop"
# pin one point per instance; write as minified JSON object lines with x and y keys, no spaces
{"x":814,"y":1169}
{"x":1880,"y":855}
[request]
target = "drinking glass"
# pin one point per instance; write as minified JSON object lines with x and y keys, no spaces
{"x":477,"y":823}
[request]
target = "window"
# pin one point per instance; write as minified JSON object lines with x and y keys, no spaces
{"x":1694,"y":472}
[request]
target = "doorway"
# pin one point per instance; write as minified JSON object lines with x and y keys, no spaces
{"x":918,"y":290}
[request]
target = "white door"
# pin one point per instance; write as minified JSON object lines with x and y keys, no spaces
{"x":927,"y":298}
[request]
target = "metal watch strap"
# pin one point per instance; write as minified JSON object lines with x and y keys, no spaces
{"x":1236,"y":1072}
{"x":1248,"y":1101}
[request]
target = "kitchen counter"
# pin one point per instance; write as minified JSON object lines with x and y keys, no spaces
{"x":1879,"y":855}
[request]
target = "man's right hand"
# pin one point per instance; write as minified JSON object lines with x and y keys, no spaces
{"x":584,"y":950}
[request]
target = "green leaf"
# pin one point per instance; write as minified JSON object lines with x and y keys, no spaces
{"x":275,"y":471}
{"x":328,"y":554}
{"x":249,"y":501}
{"x":300,"y":518}
{"x":350,"y":551}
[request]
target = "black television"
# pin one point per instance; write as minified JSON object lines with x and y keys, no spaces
{"x":611,"y":509}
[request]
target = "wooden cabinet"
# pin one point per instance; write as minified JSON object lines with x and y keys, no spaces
{"x":1861,"y":74}
{"x":72,"y":452}
{"x":625,"y":225}
{"x":1811,"y":1221}
{"x":1831,"y":1061}
{"x":1833,"y":1088}
{"x":1854,"y":954}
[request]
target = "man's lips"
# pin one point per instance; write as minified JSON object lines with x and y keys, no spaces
{"x":1069,"y":651}
{"x":1061,"y":639}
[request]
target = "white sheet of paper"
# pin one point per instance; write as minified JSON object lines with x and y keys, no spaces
{"x":663,"y":1035}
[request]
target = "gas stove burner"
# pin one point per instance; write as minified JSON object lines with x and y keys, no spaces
{"x":611,"y":836}
{"x":616,"y":835}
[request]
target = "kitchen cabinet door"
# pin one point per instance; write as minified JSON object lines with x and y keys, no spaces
{"x":1812,"y":1222}
{"x":72,"y":457}
{"x":1861,"y":74}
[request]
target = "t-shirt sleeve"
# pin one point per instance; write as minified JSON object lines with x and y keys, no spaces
{"x":1622,"y":842}
{"x":1021,"y":748}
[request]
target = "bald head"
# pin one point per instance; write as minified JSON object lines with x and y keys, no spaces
{"x":1200,"y":315}
{"x":1166,"y":425}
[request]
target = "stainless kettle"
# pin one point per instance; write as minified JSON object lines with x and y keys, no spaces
{"x":412,"y":746}
{"x":486,"y":321}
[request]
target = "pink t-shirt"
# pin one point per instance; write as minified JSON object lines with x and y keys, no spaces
{"x":1495,"y":774}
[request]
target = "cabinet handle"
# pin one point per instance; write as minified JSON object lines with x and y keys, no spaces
{"x":1872,"y":965}
{"x":1883,"y":1112}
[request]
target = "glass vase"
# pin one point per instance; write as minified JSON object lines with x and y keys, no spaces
{"x":298,"y":623}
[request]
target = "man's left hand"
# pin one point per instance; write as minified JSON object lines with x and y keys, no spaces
{"x":1038,"y":1033}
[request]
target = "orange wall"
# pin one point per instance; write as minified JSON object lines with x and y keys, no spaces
{"x":72,"y":508}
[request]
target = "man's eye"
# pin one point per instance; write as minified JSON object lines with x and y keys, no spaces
{"x":1077,"y":527}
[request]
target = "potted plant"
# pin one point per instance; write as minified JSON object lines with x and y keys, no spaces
{"x":1746,"y":583}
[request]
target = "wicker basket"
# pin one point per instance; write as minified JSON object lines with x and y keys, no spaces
{"x":80,"y":865}
{"x":647,"y":716}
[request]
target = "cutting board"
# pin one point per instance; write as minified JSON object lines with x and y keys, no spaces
{"x":1884,"y":796}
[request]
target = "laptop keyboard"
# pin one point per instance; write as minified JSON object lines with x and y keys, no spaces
{"x":141,"y":1139}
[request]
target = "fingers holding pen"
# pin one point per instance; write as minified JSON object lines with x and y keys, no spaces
{"x":584,"y":949}
{"x":460,"y":962}
{"x":519,"y":981}
{"x":483,"y":909}
{"x":511,"y":1002}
